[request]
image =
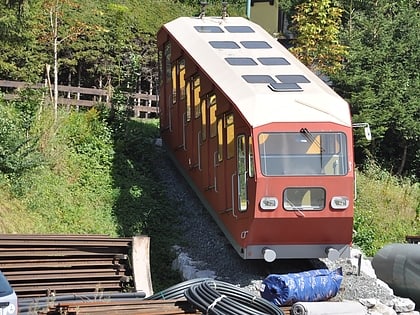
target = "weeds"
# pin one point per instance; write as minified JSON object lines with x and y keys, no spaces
{"x":386,"y":209}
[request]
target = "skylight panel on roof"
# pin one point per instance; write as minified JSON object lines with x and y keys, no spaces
{"x":239,"y":29}
{"x":273,"y":61}
{"x":208,"y":29}
{"x":285,"y":87}
{"x":255,"y":44}
{"x":241,"y":61}
{"x":224,"y":45}
{"x":252,"y":78}
{"x":292,"y":78}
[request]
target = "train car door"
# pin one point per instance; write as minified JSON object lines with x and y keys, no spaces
{"x":188,"y":115}
{"x":232,"y":178}
{"x":226,"y":165}
{"x":243,"y":183}
{"x":194,"y":137}
{"x":222,"y":206}
{"x":180,"y":114}
{"x":209,"y":144}
{"x":204,"y":146}
{"x":213,"y":145}
{"x":244,"y":171}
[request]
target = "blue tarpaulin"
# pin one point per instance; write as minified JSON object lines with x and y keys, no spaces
{"x":309,"y":286}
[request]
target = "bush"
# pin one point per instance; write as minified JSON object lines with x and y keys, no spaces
{"x":18,"y":147}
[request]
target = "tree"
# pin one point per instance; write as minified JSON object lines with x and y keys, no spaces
{"x":21,"y":56}
{"x":62,"y":27}
{"x":381,"y":79}
{"x":317,"y":26}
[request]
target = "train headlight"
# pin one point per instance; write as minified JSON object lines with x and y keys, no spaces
{"x":269,"y":203}
{"x":340,"y":202}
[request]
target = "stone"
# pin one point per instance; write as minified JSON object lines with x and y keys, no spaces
{"x":381,"y":309}
{"x":403,"y":304}
{"x":369,"y":303}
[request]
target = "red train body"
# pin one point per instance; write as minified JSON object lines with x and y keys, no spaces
{"x":266,"y":144}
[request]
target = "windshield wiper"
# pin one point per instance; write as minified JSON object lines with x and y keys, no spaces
{"x":311,"y":138}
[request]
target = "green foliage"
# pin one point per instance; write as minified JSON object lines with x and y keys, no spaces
{"x":73,"y":190}
{"x":381,"y":80}
{"x":286,"y":5}
{"x":18,"y":148}
{"x":21,"y":56}
{"x":14,"y":217}
{"x":364,"y":235}
{"x":97,"y":40}
{"x":317,"y":24}
{"x":214,"y":7}
{"x":27,"y":106}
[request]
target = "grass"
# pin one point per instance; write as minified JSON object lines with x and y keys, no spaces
{"x":14,"y":217}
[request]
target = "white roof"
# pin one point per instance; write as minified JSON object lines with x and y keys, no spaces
{"x":257,"y":101}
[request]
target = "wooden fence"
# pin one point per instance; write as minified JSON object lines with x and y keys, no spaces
{"x":143,"y":105}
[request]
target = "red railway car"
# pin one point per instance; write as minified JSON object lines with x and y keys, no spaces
{"x":264,"y":142}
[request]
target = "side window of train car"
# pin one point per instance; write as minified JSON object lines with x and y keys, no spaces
{"x":242,"y":162}
{"x":226,"y":123}
{"x":181,"y":78}
{"x":219,"y":140}
{"x":196,"y":96}
{"x":250,"y":158}
{"x":230,"y":136}
{"x":174,"y":84}
{"x":212,"y":114}
{"x":204,"y":119}
{"x":208,"y":108}
{"x":188,"y":100}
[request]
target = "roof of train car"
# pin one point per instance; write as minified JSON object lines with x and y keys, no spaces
{"x":259,"y":75}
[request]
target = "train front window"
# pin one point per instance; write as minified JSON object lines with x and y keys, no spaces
{"x":302,"y":198}
{"x":303,"y":153}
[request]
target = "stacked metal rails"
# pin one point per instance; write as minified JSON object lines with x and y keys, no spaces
{"x":45,"y":265}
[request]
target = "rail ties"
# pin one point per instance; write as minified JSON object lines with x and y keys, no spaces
{"x":43,"y":265}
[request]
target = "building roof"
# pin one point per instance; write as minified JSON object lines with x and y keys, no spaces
{"x":259,"y":75}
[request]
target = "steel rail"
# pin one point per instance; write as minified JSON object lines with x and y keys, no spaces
{"x":16,"y":264}
{"x":168,"y":307}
